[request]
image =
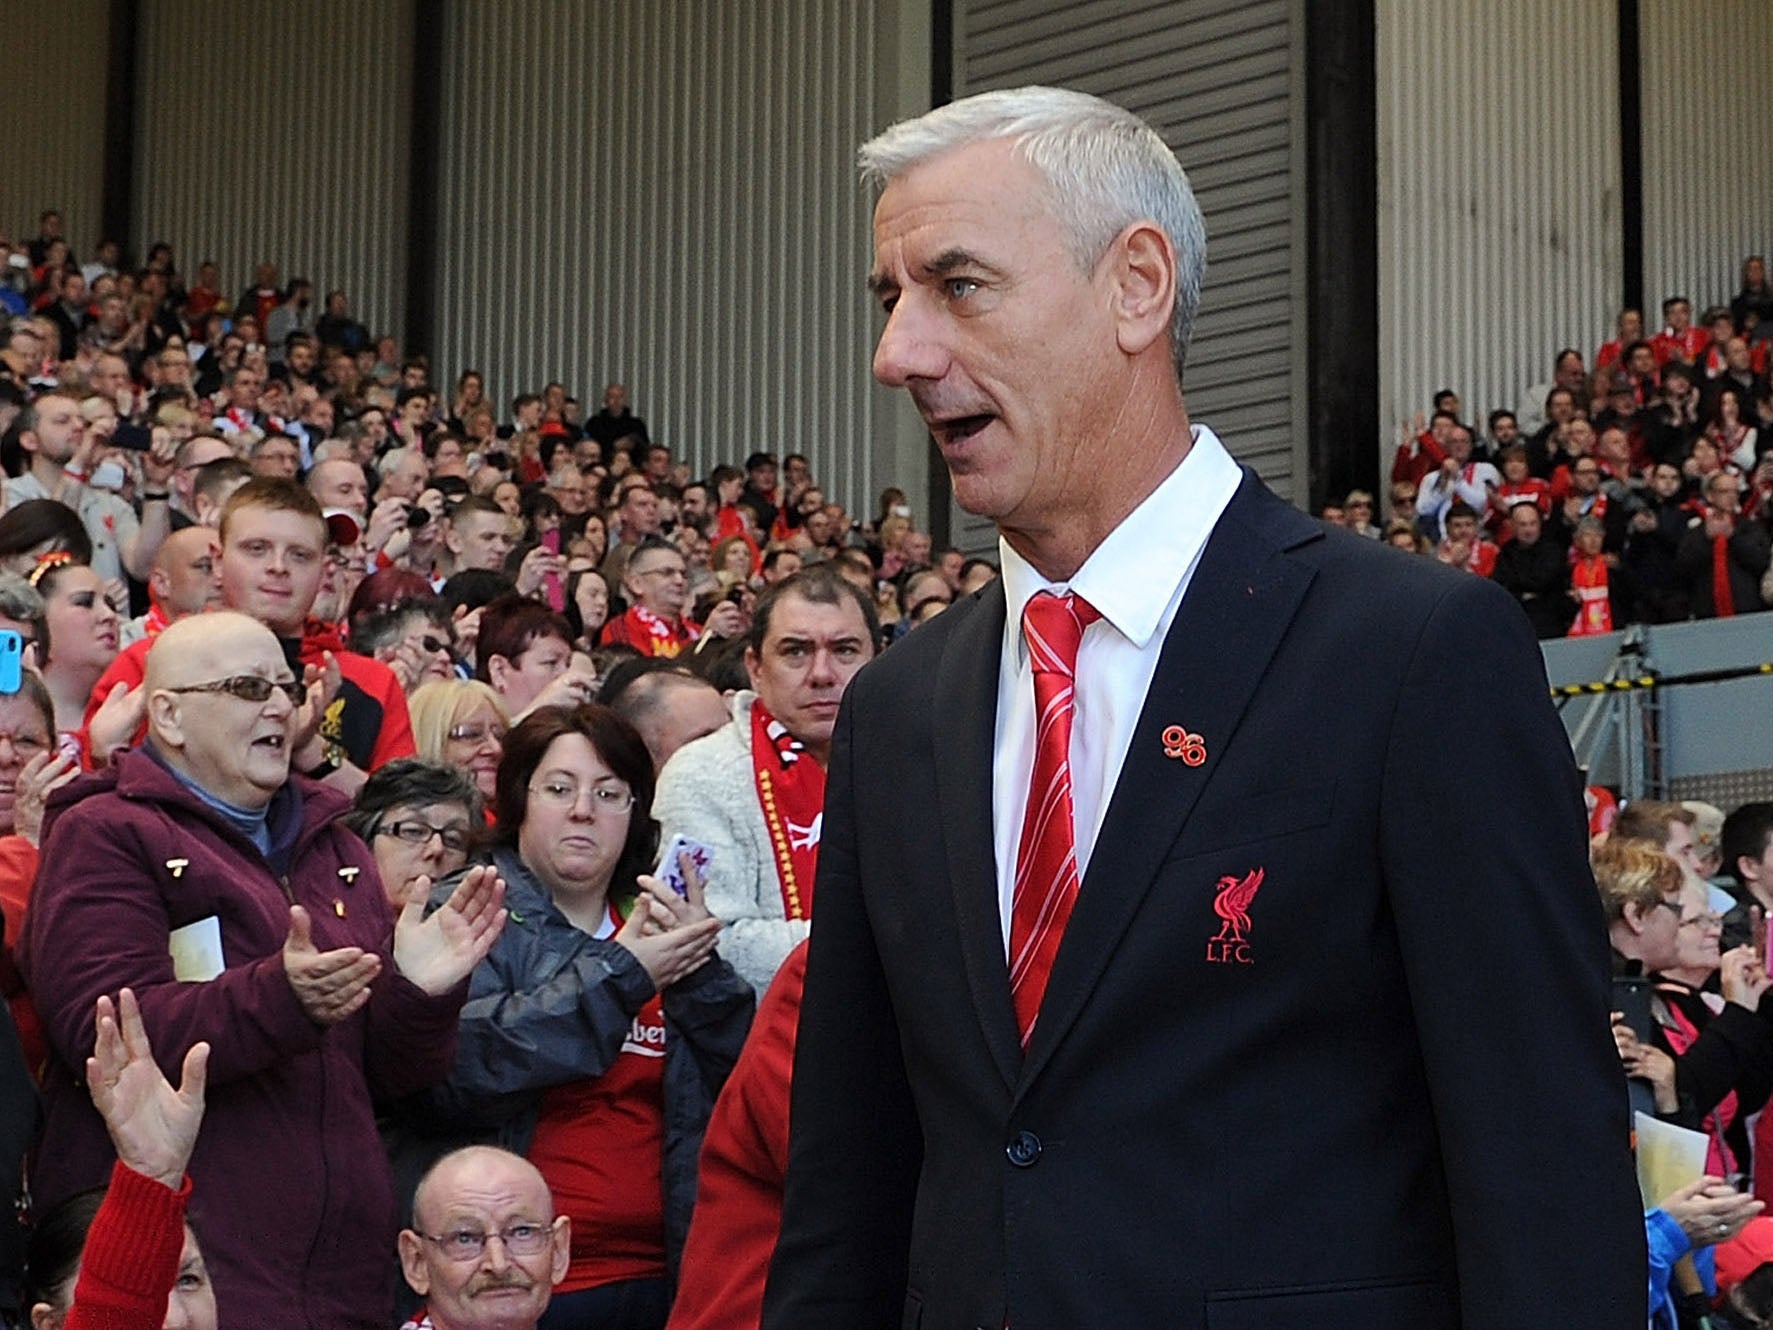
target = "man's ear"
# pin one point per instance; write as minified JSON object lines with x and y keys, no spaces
{"x":752,"y":665}
{"x":563,"y":1246}
{"x":498,"y":670}
{"x":1144,"y":277}
{"x":165,"y":719}
{"x":412,"y":1262}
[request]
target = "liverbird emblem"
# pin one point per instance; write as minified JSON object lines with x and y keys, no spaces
{"x":1231,"y":945}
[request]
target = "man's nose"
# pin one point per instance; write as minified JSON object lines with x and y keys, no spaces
{"x":823,"y":669}
{"x":908,"y":348}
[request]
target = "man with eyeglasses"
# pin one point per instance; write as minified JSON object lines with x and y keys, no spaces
{"x":485,"y":1248}
{"x":273,"y":549}
{"x":656,"y":583}
{"x":228,"y":893}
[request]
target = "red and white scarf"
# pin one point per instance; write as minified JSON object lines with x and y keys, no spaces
{"x":791,"y":792}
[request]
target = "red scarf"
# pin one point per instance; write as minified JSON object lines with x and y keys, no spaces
{"x":1721,"y":599}
{"x":1680,"y":1031}
{"x":791,"y":791}
{"x":1594,"y":611}
{"x":650,"y":635}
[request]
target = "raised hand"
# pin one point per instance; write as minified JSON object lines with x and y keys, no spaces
{"x":330,"y":985}
{"x":670,"y":935}
{"x":47,"y":771}
{"x":153,"y":1126}
{"x":437,"y":953}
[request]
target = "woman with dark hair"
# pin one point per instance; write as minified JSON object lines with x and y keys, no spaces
{"x":602,"y":1025}
{"x":418,"y":819}
{"x":76,"y":638}
{"x":36,"y":527}
{"x":587,"y":606}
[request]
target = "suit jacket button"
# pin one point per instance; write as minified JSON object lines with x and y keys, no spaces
{"x":1023,"y":1149}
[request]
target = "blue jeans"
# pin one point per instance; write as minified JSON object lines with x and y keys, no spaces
{"x":632,"y":1304}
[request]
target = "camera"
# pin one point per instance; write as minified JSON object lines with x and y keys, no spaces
{"x":416,"y":516}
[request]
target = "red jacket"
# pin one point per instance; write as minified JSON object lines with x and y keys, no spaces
{"x":744,"y":1160}
{"x":131,"y":1256}
{"x":295,"y":1197}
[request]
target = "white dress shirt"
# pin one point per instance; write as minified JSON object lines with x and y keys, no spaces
{"x":1136,"y":578}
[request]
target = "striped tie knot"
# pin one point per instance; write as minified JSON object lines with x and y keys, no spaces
{"x":1054,"y":627}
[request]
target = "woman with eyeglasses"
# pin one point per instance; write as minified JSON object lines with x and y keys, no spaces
{"x":419,"y":819}
{"x":602,"y":1025}
{"x":1727,"y":1097}
{"x":461,"y":723}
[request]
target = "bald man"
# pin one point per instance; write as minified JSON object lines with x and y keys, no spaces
{"x":186,"y":579}
{"x":199,"y":871}
{"x":670,"y":707}
{"x":485,"y":1249}
{"x":339,"y":482}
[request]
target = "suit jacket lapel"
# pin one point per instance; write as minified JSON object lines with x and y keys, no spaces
{"x":1243,"y":595}
{"x":964,"y":723}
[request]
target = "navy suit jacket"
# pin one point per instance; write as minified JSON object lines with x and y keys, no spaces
{"x":1384,"y":1095}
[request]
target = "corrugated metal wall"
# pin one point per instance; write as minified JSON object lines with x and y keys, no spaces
{"x":1708,"y":147}
{"x":1223,"y":82}
{"x":55,"y":123}
{"x":1499,"y":196}
{"x":266,"y":132}
{"x":663,"y":192}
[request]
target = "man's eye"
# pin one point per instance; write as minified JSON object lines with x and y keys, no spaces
{"x":960,"y":287}
{"x":464,"y":1239}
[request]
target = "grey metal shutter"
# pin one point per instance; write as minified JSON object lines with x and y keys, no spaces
{"x":1223,"y":82}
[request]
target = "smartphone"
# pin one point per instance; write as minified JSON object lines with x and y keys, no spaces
{"x":12,"y":656}
{"x":670,"y":871}
{"x":551,"y":587}
{"x":1631,"y":997}
{"x":136,"y":438}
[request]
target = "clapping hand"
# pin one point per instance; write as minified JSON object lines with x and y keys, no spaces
{"x":153,"y":1126}
{"x":435,"y":954}
{"x":1742,"y":978}
{"x":330,"y":985}
{"x":1710,"y":1210}
{"x":670,"y":935}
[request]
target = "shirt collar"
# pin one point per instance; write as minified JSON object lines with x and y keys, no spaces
{"x":1133,"y":574}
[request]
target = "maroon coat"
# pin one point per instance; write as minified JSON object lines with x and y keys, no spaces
{"x":293,"y":1197}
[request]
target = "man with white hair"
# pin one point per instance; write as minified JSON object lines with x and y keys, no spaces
{"x":1149,"y":986}
{"x":228,"y":894}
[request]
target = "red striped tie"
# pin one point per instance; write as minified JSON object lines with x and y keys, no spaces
{"x":1046,"y":858}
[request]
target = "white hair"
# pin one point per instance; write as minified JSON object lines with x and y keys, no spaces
{"x":1104,"y":166}
{"x":392,"y":459}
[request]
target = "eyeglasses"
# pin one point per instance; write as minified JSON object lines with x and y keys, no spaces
{"x":672,"y":570}
{"x":565,"y":794}
{"x":455,"y":839}
{"x":253,"y":688}
{"x":475,"y":734}
{"x":1702,"y":921}
{"x":520,"y":1240}
{"x":434,"y":645}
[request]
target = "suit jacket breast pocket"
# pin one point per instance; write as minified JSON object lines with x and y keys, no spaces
{"x":1254,"y":815}
{"x":1425,"y":1303}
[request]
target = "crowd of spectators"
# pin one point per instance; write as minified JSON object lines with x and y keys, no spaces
{"x":433,"y":793}
{"x":343,"y":704}
{"x":1635,"y":486}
